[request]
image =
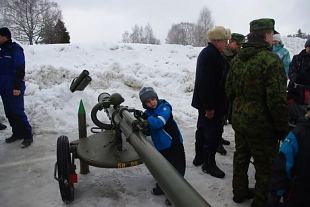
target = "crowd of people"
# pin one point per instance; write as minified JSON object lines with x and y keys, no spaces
{"x":246,"y":83}
{"x":240,"y":80}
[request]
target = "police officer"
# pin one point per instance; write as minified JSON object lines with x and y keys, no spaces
{"x":210,"y":100}
{"x":12,"y":88}
{"x":256,"y":85}
{"x":299,"y":85}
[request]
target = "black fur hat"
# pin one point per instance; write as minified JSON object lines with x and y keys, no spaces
{"x":4,"y":31}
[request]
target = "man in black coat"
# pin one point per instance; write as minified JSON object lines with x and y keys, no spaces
{"x":299,"y":85}
{"x":210,"y":101}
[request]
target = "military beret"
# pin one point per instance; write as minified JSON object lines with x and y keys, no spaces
{"x":219,"y":33}
{"x":239,"y":38}
{"x":264,"y":24}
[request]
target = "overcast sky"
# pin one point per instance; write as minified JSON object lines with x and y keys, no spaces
{"x":90,"y":21}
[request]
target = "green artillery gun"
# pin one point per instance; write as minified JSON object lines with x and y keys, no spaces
{"x":121,"y":143}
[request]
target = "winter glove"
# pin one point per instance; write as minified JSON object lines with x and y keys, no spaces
{"x":141,"y":125}
{"x":139,"y":114}
{"x":145,"y":128}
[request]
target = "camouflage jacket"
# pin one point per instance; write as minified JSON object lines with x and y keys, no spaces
{"x":256,"y":84}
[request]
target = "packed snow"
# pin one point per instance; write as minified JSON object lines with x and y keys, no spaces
{"x":26,"y":175}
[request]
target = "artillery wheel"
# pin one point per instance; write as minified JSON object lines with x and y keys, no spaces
{"x":65,"y":169}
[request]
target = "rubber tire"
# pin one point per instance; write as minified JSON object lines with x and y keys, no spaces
{"x":65,"y":168}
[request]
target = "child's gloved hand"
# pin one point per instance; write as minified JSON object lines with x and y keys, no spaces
{"x":141,"y":125}
{"x":139,"y":114}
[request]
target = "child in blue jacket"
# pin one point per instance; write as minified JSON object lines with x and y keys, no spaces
{"x":164,"y":130}
{"x":290,"y":180}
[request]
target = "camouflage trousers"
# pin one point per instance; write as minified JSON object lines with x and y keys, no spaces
{"x":263,"y":150}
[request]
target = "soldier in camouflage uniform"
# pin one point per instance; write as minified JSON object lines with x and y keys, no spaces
{"x":256,"y":85}
{"x":230,"y":52}
{"x":234,"y":46}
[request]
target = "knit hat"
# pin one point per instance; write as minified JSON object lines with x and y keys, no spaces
{"x":4,"y":31}
{"x":307,"y":44}
{"x":277,"y":37}
{"x":147,"y":93}
{"x":219,"y":33}
{"x":239,"y":38}
{"x":264,"y":24}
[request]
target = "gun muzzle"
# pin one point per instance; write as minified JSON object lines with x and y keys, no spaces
{"x":80,"y":82}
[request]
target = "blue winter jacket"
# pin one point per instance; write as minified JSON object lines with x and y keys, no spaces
{"x":163,"y":129}
{"x":284,"y":55}
{"x":12,"y":63}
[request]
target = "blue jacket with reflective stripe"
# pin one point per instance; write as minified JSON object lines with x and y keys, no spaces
{"x":291,"y":170}
{"x":163,"y":128}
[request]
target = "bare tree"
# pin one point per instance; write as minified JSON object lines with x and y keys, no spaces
{"x":182,"y":33}
{"x":125,"y":37}
{"x":28,"y":18}
{"x":204,"y":24}
{"x":191,"y":34}
{"x":149,"y":35}
{"x":140,"y":35}
{"x":136,"y":35}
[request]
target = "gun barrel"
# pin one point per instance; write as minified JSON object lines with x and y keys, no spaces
{"x":176,"y":188}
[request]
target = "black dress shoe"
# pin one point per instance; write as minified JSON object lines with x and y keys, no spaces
{"x":220,"y":149}
{"x":225,"y":142}
{"x":12,"y":139}
{"x":197,"y":161}
{"x":2,"y":126}
{"x":26,"y":143}
{"x":213,"y":171}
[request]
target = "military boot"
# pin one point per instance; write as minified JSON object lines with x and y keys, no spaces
{"x":209,"y":166}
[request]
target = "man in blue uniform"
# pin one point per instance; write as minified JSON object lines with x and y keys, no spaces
{"x":12,"y":88}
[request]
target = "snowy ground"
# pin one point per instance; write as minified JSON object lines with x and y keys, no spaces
{"x":26,"y":175}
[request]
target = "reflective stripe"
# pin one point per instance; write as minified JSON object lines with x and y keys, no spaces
{"x":167,"y":134}
{"x":162,"y":119}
